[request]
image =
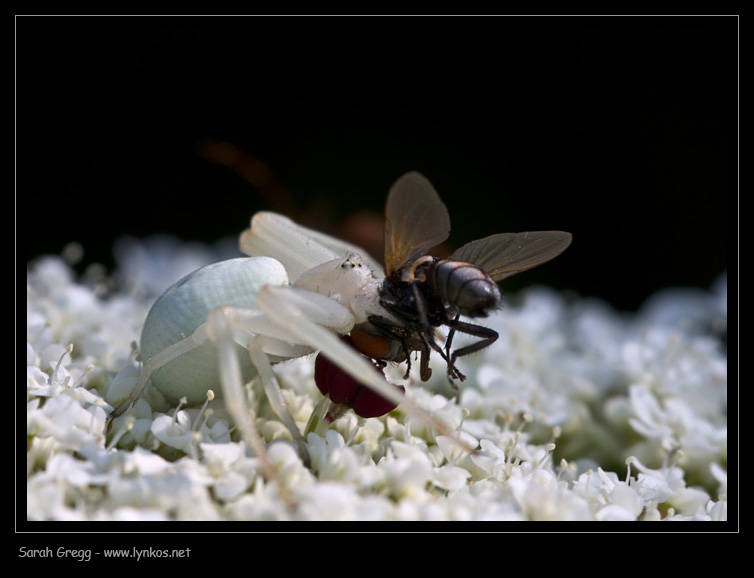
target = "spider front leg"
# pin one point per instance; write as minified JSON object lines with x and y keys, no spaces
{"x":236,"y":401}
{"x":316,"y":320}
{"x":318,"y":325}
{"x":266,"y":339}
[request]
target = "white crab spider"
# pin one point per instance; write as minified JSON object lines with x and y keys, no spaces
{"x":235,"y":318}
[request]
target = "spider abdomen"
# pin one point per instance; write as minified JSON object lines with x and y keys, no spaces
{"x":184,"y":306}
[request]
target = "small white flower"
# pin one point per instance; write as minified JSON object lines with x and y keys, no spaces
{"x":651,"y":419}
{"x":175,"y":431}
{"x":451,"y":447}
{"x":450,"y":478}
{"x":226,"y":464}
{"x":721,"y":476}
{"x":145,"y":463}
{"x":608,"y":497}
{"x":541,"y":497}
{"x":329,"y":501}
{"x":674,"y":424}
{"x":407,"y":471}
{"x":122,"y":384}
{"x":62,"y":418}
{"x":667,"y":484}
{"x":130,"y":514}
{"x":38,"y":383}
{"x":333,"y":460}
{"x":718,"y":511}
{"x":488,"y":462}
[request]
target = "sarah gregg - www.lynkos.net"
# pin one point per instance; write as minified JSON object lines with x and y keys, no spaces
{"x":85,"y":555}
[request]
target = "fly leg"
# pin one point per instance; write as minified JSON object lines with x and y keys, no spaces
{"x":488,"y":337}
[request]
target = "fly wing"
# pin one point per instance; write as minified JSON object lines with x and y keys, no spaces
{"x":506,"y":254}
{"x":415,"y":221}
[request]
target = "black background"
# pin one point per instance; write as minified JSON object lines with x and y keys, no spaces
{"x":620,"y":130}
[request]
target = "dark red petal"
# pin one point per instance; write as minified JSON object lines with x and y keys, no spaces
{"x":367,"y":403}
{"x":344,"y":389}
{"x":322,"y":378}
{"x":341,"y":386}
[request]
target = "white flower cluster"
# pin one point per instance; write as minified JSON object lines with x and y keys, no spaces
{"x":571,"y":393}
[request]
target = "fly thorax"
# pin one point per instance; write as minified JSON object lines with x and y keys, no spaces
{"x":416,"y":271}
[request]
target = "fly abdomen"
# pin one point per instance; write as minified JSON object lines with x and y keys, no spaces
{"x":467,"y":288}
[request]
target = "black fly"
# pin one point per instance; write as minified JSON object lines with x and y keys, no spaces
{"x":423,"y":292}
